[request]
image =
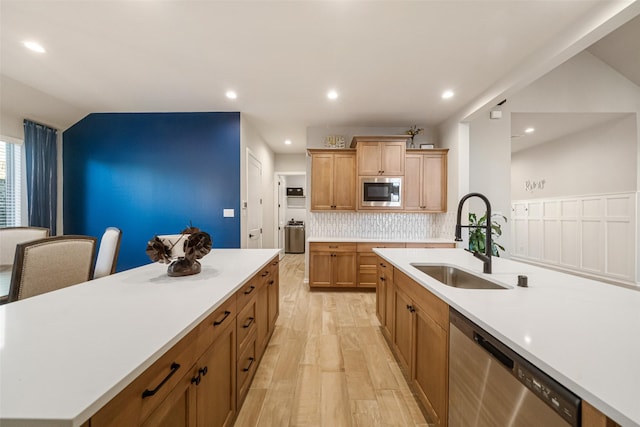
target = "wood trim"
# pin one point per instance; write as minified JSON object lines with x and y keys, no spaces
{"x":591,"y":417}
{"x":379,"y":138}
{"x":368,"y":247}
{"x":332,"y":247}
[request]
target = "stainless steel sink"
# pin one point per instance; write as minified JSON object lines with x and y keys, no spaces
{"x":452,"y":276}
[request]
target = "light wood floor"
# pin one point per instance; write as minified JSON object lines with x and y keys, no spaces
{"x":327,"y":363}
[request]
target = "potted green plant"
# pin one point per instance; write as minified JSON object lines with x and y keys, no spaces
{"x":477,"y":233}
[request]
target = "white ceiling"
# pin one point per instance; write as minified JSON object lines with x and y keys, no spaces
{"x":389,"y":60}
{"x":552,"y":126}
{"x":621,"y":50}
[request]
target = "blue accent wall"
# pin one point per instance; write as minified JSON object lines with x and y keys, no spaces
{"x":152,"y":173}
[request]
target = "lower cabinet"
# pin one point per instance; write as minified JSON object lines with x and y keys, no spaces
{"x":420,"y":330}
{"x":203,"y":380}
{"x":205,"y":395}
{"x":332,"y":265}
{"x":591,"y":417}
{"x":368,"y":262}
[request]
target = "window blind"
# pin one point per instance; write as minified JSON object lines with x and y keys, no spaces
{"x":10,"y":184}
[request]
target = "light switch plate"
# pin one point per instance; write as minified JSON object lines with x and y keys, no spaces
{"x":228,"y":213}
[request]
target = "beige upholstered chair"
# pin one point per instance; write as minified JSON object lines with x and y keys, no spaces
{"x":49,"y":264}
{"x":108,"y":252}
{"x":11,"y":236}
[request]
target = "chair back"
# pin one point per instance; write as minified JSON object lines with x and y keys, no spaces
{"x":49,"y":264}
{"x":108,"y":252}
{"x":11,"y":236}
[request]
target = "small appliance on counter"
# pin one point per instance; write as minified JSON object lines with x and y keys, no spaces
{"x":294,"y":237}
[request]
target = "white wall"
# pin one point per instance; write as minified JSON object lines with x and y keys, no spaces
{"x":290,"y":162}
{"x":597,"y":160}
{"x":490,"y":169}
{"x":250,"y":139}
{"x":19,"y":102}
{"x":582,"y":84}
{"x":296,"y":208}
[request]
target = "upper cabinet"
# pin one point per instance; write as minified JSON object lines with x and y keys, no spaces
{"x":380,"y":155}
{"x":333,"y":180}
{"x":425,"y":183}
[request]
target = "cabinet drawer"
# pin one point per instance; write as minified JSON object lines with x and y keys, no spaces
{"x":332,"y":247}
{"x":248,"y":291}
{"x":274,"y":267}
{"x":246,"y":324}
{"x":433,"y":306}
{"x":368,"y":247}
{"x":216,"y":323}
{"x":246,"y":367}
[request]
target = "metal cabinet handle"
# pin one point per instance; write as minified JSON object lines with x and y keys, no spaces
{"x":149,"y":393}
{"x":251,"y":288}
{"x":219,"y":322}
{"x":271,"y":282}
{"x":201,"y":373}
{"x":266,"y":273}
{"x":251,"y":359}
{"x":382,"y":279}
{"x":246,"y":325}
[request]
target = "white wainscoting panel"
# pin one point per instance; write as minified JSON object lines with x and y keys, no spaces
{"x":593,"y":234}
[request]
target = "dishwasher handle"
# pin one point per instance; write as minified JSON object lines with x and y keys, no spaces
{"x":495,"y":352}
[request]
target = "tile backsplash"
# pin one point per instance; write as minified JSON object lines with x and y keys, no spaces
{"x":401,"y":226}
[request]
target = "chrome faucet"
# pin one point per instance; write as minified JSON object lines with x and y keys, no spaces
{"x":486,"y":257}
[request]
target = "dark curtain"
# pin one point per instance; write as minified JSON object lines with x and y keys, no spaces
{"x":42,"y":174}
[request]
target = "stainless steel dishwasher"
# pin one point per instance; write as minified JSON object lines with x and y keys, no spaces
{"x":490,"y":385}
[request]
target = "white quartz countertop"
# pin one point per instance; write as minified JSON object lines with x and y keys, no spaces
{"x":65,"y":354}
{"x":583,"y":333}
{"x":368,"y":240}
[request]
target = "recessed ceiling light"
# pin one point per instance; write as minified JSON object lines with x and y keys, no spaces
{"x":332,"y":94}
{"x":287,"y":142}
{"x":34,"y":46}
{"x":231,"y":94}
{"x":529,"y":130}
{"x":447,"y":94}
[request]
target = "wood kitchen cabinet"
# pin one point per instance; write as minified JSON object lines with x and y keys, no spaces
{"x":368,"y":262}
{"x":332,"y":265}
{"x":380,"y":155}
{"x":591,"y":417}
{"x":204,"y":378}
{"x":268,"y":304}
{"x":215,"y":381}
{"x":420,"y":343}
{"x":166,"y":394}
{"x":333,"y":180}
{"x":425,"y":184}
{"x":385,"y":297}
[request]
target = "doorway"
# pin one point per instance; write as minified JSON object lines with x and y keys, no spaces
{"x":289,"y":208}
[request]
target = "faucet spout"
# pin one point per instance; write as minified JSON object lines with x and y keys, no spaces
{"x":486,"y":257}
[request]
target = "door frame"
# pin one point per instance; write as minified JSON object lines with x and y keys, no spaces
{"x":251,"y":154}
{"x":277,"y":201}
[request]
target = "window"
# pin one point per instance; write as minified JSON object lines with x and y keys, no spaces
{"x":11,"y":178}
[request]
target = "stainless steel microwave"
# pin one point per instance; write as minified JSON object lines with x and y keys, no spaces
{"x":383,"y":192}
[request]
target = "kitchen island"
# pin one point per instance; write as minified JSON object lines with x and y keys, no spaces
{"x":582,"y":333}
{"x":66,"y":354}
